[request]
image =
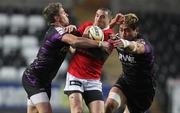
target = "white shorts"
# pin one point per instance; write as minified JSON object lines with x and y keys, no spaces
{"x":76,"y":84}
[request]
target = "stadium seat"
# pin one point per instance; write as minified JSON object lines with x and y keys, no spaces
{"x":4,"y":23}
{"x":18,"y":23}
{"x":20,"y":72}
{"x":29,"y":41}
{"x":173,"y":69}
{"x":8,"y":73}
{"x":177,"y":46}
{"x":1,"y":54}
{"x":1,"y":44}
{"x":29,"y":53}
{"x":4,"y":20}
{"x":35,"y":23}
{"x":10,"y":43}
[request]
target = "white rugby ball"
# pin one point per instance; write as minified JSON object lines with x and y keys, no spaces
{"x":96,"y":33}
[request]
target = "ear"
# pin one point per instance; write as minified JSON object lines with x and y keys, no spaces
{"x":56,"y":18}
{"x":135,"y":32}
{"x":137,"y":29}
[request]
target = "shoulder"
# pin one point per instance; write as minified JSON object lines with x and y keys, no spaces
{"x":142,"y":39}
{"x":60,"y":30}
{"x":88,"y":23}
{"x":146,"y":43}
{"x":58,"y":33}
{"x":83,"y":26}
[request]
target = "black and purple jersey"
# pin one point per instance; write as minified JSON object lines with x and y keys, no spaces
{"x":138,"y":68}
{"x":49,"y":58}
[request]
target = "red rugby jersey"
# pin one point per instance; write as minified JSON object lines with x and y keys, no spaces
{"x":88,"y":63}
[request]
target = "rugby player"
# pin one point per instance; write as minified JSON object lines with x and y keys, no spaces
{"x":84,"y":72}
{"x":135,"y":88}
{"x":38,"y":75}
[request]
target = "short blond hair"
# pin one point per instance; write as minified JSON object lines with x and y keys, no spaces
{"x":131,"y":20}
{"x":50,"y":11}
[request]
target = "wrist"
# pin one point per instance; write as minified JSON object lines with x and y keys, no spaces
{"x":126,"y":43}
{"x":134,"y":46}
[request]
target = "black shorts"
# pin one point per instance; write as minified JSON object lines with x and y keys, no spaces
{"x":34,"y":89}
{"x":88,"y":96}
{"x":139,"y":99}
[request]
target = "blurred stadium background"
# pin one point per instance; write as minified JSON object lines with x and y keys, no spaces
{"x":21,"y":31}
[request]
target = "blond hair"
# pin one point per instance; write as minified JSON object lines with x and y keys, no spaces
{"x":50,"y":11}
{"x":131,"y":20}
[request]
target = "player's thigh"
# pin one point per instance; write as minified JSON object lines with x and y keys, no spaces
{"x":44,"y":107}
{"x":38,"y":106}
{"x":92,"y":95}
{"x":76,"y":101}
{"x":31,"y":109}
{"x":33,"y":89}
{"x":96,"y":106}
{"x":94,"y":101}
{"x":41,"y":101}
{"x":116,"y":96}
{"x":139,"y":102}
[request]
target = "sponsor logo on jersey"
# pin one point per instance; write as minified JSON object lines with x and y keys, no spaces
{"x":60,"y":30}
{"x":126,"y":58}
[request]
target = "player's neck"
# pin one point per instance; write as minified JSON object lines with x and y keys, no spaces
{"x":56,"y":24}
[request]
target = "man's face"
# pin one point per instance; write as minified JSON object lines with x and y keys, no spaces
{"x":63,"y":17}
{"x":126,"y":32}
{"x":101,"y":19}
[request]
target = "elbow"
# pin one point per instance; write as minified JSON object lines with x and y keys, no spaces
{"x":74,"y":44}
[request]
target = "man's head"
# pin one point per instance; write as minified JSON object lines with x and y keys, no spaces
{"x":102,"y":17}
{"x":128,"y":30}
{"x":55,"y":14}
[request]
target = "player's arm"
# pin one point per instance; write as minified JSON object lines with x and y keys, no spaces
{"x":138,"y":47}
{"x":117,"y":20}
{"x":81,"y":42}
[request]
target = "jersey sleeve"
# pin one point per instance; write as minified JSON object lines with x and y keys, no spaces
{"x":60,"y":33}
{"x":147,"y":45}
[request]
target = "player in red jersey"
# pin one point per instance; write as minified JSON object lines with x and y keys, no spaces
{"x":84,"y":72}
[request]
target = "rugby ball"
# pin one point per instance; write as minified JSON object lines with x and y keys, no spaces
{"x":96,"y":33}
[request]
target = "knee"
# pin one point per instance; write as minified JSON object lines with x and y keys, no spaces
{"x":110,"y":105}
{"x":35,"y":111}
{"x":32,"y":110}
{"x":77,"y":109}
